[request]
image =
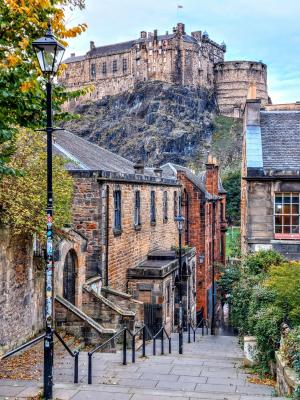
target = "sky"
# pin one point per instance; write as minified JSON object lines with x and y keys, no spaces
{"x":258,"y":30}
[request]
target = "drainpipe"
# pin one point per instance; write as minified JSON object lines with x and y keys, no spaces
{"x":107,"y":236}
{"x":213,"y":267}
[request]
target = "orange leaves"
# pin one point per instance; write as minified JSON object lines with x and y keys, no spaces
{"x":12,"y":60}
{"x":27,"y":86}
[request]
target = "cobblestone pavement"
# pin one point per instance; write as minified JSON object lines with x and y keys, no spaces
{"x":209,"y":369}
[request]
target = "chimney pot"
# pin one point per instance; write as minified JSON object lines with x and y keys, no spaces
{"x":139,"y":167}
{"x":92,"y":45}
{"x":158,"y":172}
{"x":72,"y":54}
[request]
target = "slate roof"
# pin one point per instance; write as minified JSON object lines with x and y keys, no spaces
{"x":73,"y":59}
{"x":111,"y":48}
{"x":83,"y":155}
{"x":280,"y":137}
{"x":198,"y":180}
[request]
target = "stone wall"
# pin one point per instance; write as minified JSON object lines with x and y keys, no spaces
{"x":130,"y":246}
{"x":258,"y":217}
{"x":232,"y":80}
{"x":175,"y":58}
{"x":21,"y":291}
{"x":86,"y":214}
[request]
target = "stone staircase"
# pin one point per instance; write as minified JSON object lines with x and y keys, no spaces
{"x":210,"y":368}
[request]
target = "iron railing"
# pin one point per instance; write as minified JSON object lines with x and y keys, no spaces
{"x":144,"y":331}
{"x":203,"y":324}
{"x":74,"y":354}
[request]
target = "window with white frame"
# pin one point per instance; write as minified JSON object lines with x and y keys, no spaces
{"x":286,"y":216}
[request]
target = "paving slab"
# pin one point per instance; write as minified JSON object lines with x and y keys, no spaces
{"x":209,"y":369}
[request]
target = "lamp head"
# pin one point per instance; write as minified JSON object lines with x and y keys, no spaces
{"x":49,"y":52}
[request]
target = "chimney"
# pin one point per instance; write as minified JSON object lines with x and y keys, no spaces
{"x":139,"y":167}
{"x":212,"y":175}
{"x":180,"y":28}
{"x":158,"y":172}
{"x":167,"y":33}
{"x":143,"y":34}
{"x":72,"y":54}
{"x":155,"y":36}
{"x":92,"y":45}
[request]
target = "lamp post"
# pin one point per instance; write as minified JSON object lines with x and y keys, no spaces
{"x":49,"y":53}
{"x":180,"y":221}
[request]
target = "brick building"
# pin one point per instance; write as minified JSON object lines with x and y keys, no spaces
{"x":126,"y":212}
{"x":271,"y":178}
{"x":176,"y":57}
{"x":203,"y":200}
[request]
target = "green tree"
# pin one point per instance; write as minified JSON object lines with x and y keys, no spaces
{"x":22,"y":97}
{"x":23,"y":197}
{"x":232,"y":184}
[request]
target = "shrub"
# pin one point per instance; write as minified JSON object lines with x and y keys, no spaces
{"x":291,"y":346}
{"x":261,"y":261}
{"x":284,"y":280}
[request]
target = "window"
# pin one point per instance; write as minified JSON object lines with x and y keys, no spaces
{"x":168,"y":300}
{"x":287,"y":215}
{"x":115,"y":66}
{"x":117,"y":210}
{"x":165,"y":206}
{"x":93,"y":70}
{"x":104,"y":68}
{"x":124,"y":64}
{"x":137,"y":208}
{"x":152,"y":208}
{"x":175,"y":204}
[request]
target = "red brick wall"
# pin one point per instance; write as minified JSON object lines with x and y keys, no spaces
{"x":199,"y":223}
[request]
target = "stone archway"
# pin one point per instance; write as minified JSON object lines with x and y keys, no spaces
{"x":69,"y":276}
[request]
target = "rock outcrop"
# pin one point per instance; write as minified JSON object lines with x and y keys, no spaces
{"x":158,"y":122}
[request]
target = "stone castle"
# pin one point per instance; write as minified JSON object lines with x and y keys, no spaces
{"x":188,"y":60}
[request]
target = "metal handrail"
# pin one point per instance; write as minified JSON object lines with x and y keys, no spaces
{"x":23,"y":346}
{"x":102,"y":345}
{"x":161,"y":332}
{"x":74,"y":353}
{"x":203,"y":323}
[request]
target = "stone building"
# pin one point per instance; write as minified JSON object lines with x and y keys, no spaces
{"x":176,"y":57}
{"x":203,"y":201}
{"x":127,"y":213}
{"x":271,"y":179}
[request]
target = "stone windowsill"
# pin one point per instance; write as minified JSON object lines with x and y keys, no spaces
{"x":153,"y":223}
{"x":137,"y":227}
{"x":117,"y":232}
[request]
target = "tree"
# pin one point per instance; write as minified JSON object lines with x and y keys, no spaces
{"x":22,"y":197}
{"x":22,"y":95}
{"x":232,"y":184}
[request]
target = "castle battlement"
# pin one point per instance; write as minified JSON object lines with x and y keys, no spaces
{"x":176,"y":57}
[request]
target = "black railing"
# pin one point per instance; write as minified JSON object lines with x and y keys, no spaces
{"x":202,"y":324}
{"x":146,"y":334}
{"x":74,"y":353}
{"x":161,"y":333}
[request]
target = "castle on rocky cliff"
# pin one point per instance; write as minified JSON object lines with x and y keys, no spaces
{"x":188,"y":60}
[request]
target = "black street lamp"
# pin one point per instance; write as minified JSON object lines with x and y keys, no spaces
{"x":49,"y":53}
{"x":180,"y":221}
{"x":213,"y":317}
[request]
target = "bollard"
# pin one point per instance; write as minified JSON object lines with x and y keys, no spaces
{"x":124,"y":347}
{"x":170,"y":346}
{"x":154,"y":346}
{"x":90,"y":368}
{"x":133,"y":349}
{"x":144,"y":341}
{"x":162,"y":341}
{"x":189,"y":333}
{"x":76,"y":355}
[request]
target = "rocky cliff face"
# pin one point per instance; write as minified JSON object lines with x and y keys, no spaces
{"x":157,"y":123}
